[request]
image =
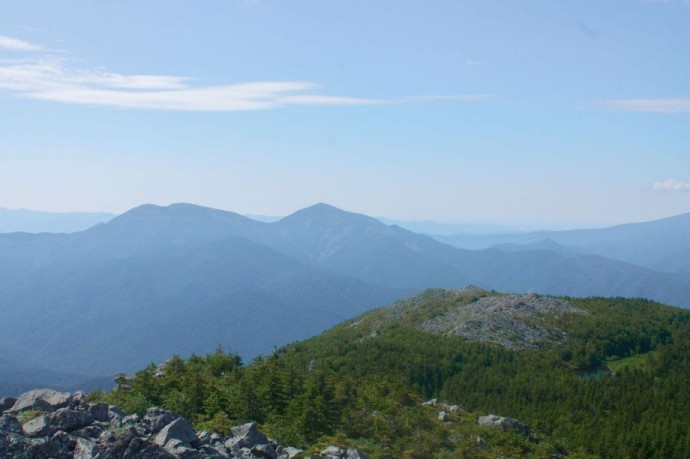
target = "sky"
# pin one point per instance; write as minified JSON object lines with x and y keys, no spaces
{"x":547,"y":113}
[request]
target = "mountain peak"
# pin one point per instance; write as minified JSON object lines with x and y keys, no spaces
{"x":327,"y":214}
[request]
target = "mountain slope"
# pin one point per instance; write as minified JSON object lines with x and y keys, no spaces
{"x":183,"y":278}
{"x":542,"y":360}
{"x":96,"y":318}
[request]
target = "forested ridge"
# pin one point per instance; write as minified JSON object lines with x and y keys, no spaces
{"x":363,"y":382}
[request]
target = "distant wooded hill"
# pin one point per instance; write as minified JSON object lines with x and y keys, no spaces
{"x":31,"y":221}
{"x":663,"y":245}
{"x":157,"y":281}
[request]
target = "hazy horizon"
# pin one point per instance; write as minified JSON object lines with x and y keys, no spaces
{"x":442,"y":227}
{"x":531,"y":114}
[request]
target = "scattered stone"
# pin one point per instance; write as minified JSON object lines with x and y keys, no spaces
{"x":41,"y":400}
{"x":504,"y":423}
{"x":432,"y":402}
{"x":452,"y":409}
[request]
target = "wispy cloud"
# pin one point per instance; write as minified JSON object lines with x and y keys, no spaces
{"x":57,"y":79}
{"x":472,"y":63}
{"x":672,"y":105}
{"x":15,"y":44}
{"x":671,"y":185}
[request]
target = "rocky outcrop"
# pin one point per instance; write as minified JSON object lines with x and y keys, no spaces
{"x":41,"y":400}
{"x":504,"y":423}
{"x":513,"y":321}
{"x":49,"y":424}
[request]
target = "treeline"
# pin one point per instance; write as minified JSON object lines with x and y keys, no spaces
{"x":353,"y":386}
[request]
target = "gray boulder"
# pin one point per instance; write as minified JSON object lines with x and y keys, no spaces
{"x":264,"y":451}
{"x":157,"y":418}
{"x":58,"y":446}
{"x":41,"y":400}
{"x":246,"y":436}
{"x":85,"y":448}
{"x":180,"y":429}
{"x":9,"y":424}
{"x":504,"y":423}
{"x":115,"y":412}
{"x":37,"y":427}
{"x":76,"y":399}
{"x":334,"y":452}
{"x":354,"y":453}
{"x":69,"y":420}
{"x":99,"y":411}
{"x":291,"y":452}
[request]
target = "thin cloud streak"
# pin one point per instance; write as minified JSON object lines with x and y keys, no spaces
{"x":15,"y":44}
{"x":56,"y":79}
{"x":673,"y":105}
{"x":671,"y":185}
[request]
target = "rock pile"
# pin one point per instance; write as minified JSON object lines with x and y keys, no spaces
{"x":49,"y":424}
{"x":511,"y":321}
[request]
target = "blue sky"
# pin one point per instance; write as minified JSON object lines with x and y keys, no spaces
{"x":529,"y":113}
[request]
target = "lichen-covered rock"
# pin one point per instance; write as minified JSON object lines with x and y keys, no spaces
{"x":37,"y":427}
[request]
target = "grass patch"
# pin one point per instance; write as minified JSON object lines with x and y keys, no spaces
{"x":635,"y":362}
{"x":26,"y":416}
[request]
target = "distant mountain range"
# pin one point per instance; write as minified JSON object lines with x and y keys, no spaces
{"x":31,"y":221}
{"x":662,"y":245}
{"x":156,"y":281}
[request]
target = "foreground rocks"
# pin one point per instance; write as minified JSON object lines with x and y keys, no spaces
{"x":47,"y":424}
